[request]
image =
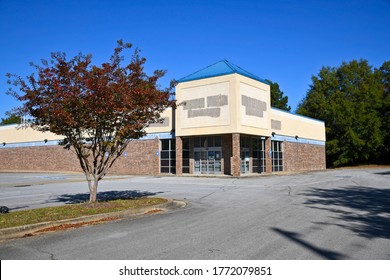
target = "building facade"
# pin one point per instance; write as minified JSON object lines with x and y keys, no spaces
{"x":224,"y":125}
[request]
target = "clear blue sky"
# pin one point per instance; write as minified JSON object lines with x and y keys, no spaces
{"x":283,"y":41}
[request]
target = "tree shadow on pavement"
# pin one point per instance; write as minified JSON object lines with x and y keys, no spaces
{"x":383,"y":173}
{"x":363,"y":210}
{"x":296,"y":237}
{"x":17,"y":208}
{"x":103,"y":196}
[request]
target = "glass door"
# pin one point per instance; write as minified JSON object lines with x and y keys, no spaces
{"x":244,"y":160}
{"x":207,"y":161}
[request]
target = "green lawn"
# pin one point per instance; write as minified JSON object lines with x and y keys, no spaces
{"x":49,"y":214}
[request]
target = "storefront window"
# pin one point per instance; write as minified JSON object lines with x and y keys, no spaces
{"x":186,"y":155}
{"x":258,"y":155}
{"x":168,"y":156}
{"x":277,"y":156}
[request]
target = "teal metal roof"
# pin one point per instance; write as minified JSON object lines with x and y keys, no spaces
{"x":220,"y":68}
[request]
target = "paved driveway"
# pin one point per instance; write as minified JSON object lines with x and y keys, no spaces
{"x":342,"y":214}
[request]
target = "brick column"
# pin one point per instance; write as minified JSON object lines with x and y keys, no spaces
{"x":179,"y":156}
{"x":235,"y":160}
{"x":268,"y":159}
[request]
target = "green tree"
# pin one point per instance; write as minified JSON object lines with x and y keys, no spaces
{"x":348,"y":99}
{"x":384,"y":73}
{"x":11,"y":119}
{"x":278,"y":100}
{"x":99,"y":109}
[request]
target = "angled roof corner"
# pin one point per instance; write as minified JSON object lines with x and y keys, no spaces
{"x":220,"y":68}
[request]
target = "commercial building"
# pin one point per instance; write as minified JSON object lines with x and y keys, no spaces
{"x":224,"y":125}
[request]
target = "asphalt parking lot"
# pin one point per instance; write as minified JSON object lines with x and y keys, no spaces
{"x":334,"y":214}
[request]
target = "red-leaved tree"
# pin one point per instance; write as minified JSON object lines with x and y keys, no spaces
{"x":98,"y":109}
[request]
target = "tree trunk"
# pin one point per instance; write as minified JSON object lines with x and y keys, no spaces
{"x":93,"y":191}
{"x":92,"y":185}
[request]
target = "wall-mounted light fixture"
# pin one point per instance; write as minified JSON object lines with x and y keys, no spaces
{"x":273,"y":134}
{"x":3,"y":143}
{"x":296,"y":137}
{"x":45,"y":140}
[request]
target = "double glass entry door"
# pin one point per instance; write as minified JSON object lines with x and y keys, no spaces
{"x":208,"y":161}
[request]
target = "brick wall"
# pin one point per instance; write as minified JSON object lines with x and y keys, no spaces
{"x":300,"y":157}
{"x":49,"y":158}
{"x":268,"y":159}
{"x":236,"y":161}
{"x":179,"y":156}
{"x":141,"y":159}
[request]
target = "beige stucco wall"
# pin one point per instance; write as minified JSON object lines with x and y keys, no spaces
{"x":167,"y":125}
{"x":284,"y":123}
{"x":221,"y":105}
{"x":16,"y":134}
{"x":205,"y":106}
{"x":245,"y":109}
{"x":253,"y":101}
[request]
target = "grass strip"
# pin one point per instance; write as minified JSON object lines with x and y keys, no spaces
{"x":56,"y":213}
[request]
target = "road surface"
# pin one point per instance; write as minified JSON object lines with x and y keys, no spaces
{"x":336,"y":214}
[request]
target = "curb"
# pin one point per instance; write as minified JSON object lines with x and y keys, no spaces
{"x":22,"y":231}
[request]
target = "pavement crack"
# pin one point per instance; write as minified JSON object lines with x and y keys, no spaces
{"x":214,"y":250}
{"x":231,"y":186}
{"x":224,"y":188}
{"x":207,"y":195}
{"x":45,"y":252}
